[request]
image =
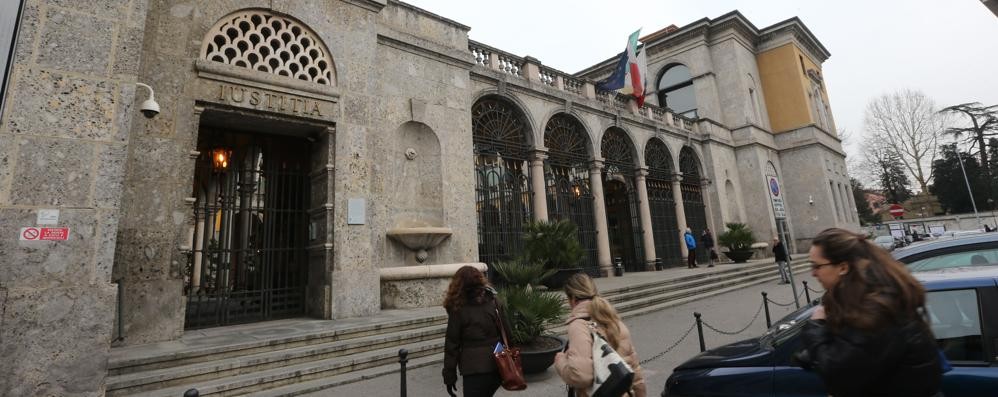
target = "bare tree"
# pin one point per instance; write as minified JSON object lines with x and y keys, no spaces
{"x":907,"y":124}
{"x":984,"y":124}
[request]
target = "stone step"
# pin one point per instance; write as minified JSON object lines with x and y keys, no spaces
{"x":231,"y":366}
{"x":299,"y":373}
{"x":721,"y":269}
{"x":319,"y":359}
{"x":175,"y":353}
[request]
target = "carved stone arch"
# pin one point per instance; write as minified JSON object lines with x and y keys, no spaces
{"x":566,"y":134}
{"x":499,"y":126}
{"x":690,"y":165}
{"x":269,"y":42}
{"x":658,"y":159}
{"x":591,"y":142}
{"x":532,"y":127}
{"x":618,"y":149}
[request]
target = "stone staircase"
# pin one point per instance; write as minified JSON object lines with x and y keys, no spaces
{"x":287,"y":362}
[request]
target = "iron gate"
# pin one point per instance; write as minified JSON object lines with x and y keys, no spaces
{"x":502,"y":183}
{"x":693,"y":203}
{"x":248,"y":260}
{"x":566,"y":178}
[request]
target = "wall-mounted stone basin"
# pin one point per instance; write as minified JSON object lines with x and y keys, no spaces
{"x":410,"y":287}
{"x":420,"y":239}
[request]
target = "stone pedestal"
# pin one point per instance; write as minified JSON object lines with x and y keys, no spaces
{"x":410,"y":287}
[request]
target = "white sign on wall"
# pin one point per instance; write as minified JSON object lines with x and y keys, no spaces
{"x":776,"y":196}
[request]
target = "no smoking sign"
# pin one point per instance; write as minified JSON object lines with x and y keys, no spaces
{"x":44,"y":234}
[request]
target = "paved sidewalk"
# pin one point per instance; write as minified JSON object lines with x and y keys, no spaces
{"x":652,"y":334}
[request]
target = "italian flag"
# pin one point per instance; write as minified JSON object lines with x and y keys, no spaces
{"x":628,"y":77}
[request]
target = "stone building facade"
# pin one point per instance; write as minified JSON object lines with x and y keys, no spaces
{"x":309,"y":153}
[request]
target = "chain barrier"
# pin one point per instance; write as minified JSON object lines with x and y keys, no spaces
{"x":778,"y":303}
{"x":756,"y":316}
{"x":681,"y":339}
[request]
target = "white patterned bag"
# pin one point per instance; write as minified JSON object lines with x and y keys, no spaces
{"x":612,"y":377}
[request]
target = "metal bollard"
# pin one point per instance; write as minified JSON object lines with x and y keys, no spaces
{"x":618,"y":267}
{"x":765,"y":304}
{"x":807,"y":294}
{"x":658,"y":264}
{"x":192,"y":393}
{"x":700,"y":331}
{"x":403,"y":359}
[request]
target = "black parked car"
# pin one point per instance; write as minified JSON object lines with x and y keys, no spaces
{"x":961,"y":280}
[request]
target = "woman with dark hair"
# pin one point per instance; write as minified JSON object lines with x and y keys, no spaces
{"x":870,"y":336}
{"x":472,"y":334}
{"x":575,"y":365}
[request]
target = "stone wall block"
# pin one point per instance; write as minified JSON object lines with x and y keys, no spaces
{"x":110,"y":175}
{"x":127,"y":54}
{"x":146,"y":254}
{"x":53,"y":172}
{"x":54,"y":104}
{"x":27,"y":32}
{"x":55,"y":340}
{"x":8,"y":154}
{"x":153,"y":311}
{"x":45,"y":264}
{"x":75,"y":42}
{"x":105,"y":238}
{"x":110,"y":9}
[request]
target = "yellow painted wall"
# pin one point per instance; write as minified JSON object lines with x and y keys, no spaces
{"x":785,"y":88}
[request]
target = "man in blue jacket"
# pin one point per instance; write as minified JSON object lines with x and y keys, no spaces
{"x":691,"y":245}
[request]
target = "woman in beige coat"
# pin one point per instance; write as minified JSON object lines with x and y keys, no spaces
{"x":575,"y":365}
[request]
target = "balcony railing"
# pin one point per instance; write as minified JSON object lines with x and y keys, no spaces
{"x":532,"y":70}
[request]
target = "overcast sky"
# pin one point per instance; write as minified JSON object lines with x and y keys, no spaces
{"x":945,"y":48}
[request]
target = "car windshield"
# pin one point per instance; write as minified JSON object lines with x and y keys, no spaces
{"x":786,"y":327}
{"x":978,"y":257}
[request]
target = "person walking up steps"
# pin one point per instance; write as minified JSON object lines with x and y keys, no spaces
{"x":782,"y":260}
{"x":691,"y":245}
{"x":707,"y":242}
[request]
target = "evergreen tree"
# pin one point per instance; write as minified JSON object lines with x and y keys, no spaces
{"x":950,"y":187}
{"x":893,"y":178}
{"x":866,"y":216}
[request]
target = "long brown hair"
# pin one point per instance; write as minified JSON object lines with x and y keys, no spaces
{"x":468,"y":284}
{"x":876,"y":292}
{"x":581,"y":287}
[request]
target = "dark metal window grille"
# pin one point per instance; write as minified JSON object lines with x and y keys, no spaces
{"x":248,"y":260}
{"x":665,"y":226}
{"x":502,"y":182}
{"x":618,"y":153}
{"x":693,"y":203}
{"x":569,"y":194}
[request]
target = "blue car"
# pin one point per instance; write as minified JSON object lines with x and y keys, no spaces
{"x":961,"y":281}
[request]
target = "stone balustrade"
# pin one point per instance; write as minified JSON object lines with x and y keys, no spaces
{"x":531,"y":69}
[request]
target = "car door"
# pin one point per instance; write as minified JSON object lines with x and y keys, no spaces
{"x":965,"y":324}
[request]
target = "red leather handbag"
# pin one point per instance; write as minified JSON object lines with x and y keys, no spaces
{"x":508,"y":361}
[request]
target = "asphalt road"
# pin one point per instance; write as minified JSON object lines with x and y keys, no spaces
{"x":652,"y":333}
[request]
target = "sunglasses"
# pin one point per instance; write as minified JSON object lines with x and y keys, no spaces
{"x":816,"y":266}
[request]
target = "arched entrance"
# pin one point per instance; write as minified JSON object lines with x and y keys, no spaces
{"x":621,"y":198}
{"x":248,"y":260}
{"x":566,"y":177}
{"x":661,"y":203}
{"x":693,"y":203}
{"x":502,"y":193}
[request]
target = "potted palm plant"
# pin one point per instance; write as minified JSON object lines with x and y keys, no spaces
{"x":738,"y":240}
{"x":529,"y":311}
{"x":556,"y":246}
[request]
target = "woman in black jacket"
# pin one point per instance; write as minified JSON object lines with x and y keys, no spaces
{"x":472,"y":334}
{"x":870,"y":336}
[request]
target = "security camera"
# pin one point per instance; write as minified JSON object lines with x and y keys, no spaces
{"x":149,"y":107}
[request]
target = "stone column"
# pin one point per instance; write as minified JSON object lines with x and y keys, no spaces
{"x":648,"y":238}
{"x":599,"y":217}
{"x":677,"y":196}
{"x":538,"y":194}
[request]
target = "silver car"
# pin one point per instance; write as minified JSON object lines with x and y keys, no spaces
{"x":885,"y":242}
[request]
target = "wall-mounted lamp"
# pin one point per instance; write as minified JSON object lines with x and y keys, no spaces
{"x":810,"y":200}
{"x":220,"y":158}
{"x":149,"y":107}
